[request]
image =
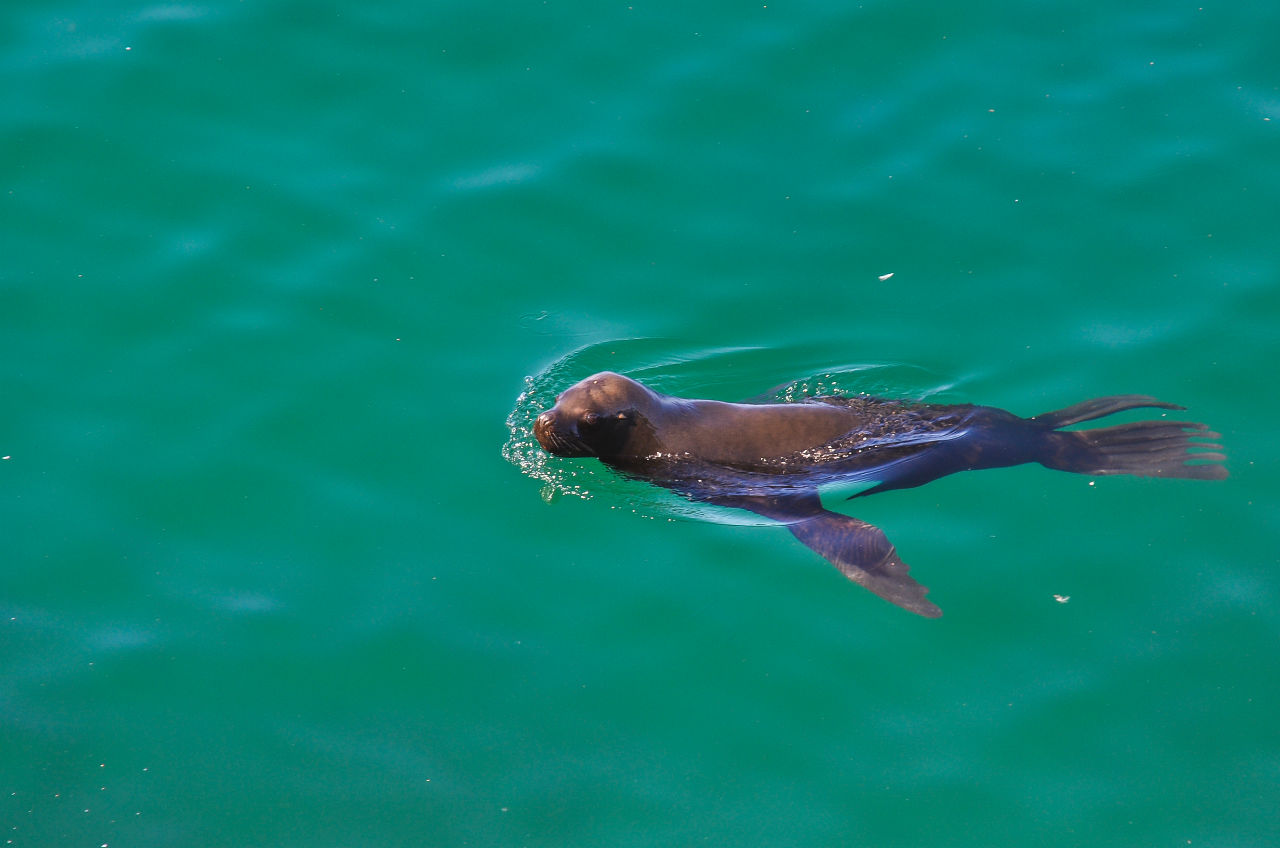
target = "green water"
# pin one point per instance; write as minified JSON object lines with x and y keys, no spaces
{"x":273,"y":276}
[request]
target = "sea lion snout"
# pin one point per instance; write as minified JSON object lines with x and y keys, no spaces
{"x":544,"y":428}
{"x":558,"y":436}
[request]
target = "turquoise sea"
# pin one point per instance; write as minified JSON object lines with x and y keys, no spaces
{"x":283,"y":281}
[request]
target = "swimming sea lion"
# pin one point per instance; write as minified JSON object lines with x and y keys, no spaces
{"x":772,"y":458}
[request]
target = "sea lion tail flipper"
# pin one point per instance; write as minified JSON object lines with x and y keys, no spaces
{"x":864,"y":554}
{"x":1145,"y":448}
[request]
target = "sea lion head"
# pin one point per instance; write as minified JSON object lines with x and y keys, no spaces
{"x":604,"y":416}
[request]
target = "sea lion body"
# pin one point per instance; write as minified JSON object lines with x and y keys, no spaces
{"x":772,"y":458}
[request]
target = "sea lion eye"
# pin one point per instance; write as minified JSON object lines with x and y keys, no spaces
{"x":591,"y":419}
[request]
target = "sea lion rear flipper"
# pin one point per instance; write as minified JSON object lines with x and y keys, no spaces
{"x":1145,"y":448}
{"x":860,"y":550}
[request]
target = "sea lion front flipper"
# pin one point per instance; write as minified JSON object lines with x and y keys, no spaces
{"x":865,"y":555}
{"x":860,"y":550}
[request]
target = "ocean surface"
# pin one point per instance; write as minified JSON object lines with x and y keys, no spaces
{"x":277,"y":277}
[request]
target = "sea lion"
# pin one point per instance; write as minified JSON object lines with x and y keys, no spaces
{"x":772,"y":458}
